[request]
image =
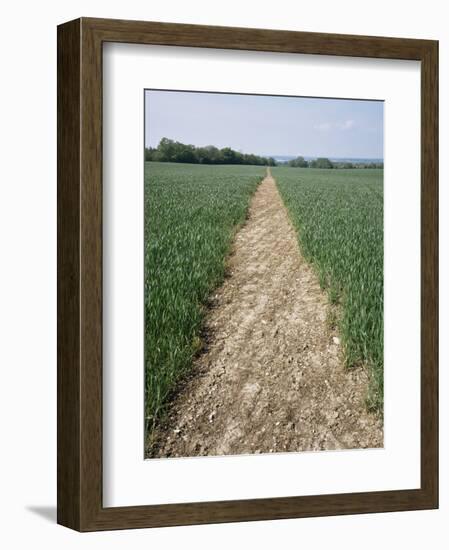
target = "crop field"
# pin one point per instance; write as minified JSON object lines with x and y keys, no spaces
{"x":338,"y":215}
{"x":191,"y":215}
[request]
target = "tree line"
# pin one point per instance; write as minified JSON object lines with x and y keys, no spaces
{"x":169,"y":150}
{"x":323,"y":162}
{"x":174,"y":151}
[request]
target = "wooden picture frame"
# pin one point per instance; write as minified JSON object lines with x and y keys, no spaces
{"x":80,"y":504}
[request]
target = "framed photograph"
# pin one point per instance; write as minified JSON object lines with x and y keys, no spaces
{"x":247,"y":274}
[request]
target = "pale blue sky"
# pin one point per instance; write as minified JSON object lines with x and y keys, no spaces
{"x":267,"y":125}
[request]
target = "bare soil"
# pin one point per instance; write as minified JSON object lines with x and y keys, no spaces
{"x":271,"y":378}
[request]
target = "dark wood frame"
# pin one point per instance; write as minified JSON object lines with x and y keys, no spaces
{"x":80,"y":274}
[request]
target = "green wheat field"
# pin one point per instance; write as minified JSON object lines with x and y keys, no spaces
{"x":338,"y":216}
{"x":192,"y":213}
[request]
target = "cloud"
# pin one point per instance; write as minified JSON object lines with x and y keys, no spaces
{"x":324,"y":126}
{"x":347,"y":124}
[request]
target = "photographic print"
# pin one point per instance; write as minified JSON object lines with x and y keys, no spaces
{"x":233,"y":282}
{"x":263,"y":274}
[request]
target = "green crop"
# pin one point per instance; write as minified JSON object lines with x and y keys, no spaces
{"x":191,"y":215}
{"x":338,"y":215}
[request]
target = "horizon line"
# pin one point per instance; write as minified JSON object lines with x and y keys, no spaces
{"x":328,"y":156}
{"x":269,"y":155}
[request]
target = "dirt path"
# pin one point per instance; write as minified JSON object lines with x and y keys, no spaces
{"x":272,"y":377}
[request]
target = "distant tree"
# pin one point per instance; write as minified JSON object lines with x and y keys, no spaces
{"x":175,"y":151}
{"x":208,"y":155}
{"x":250,"y":159}
{"x":321,"y":162}
{"x":166,"y":150}
{"x":214,"y":155}
{"x":229,"y":156}
{"x":298,"y":162}
{"x":149,"y":153}
{"x":201,"y":155}
{"x":184,"y":153}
